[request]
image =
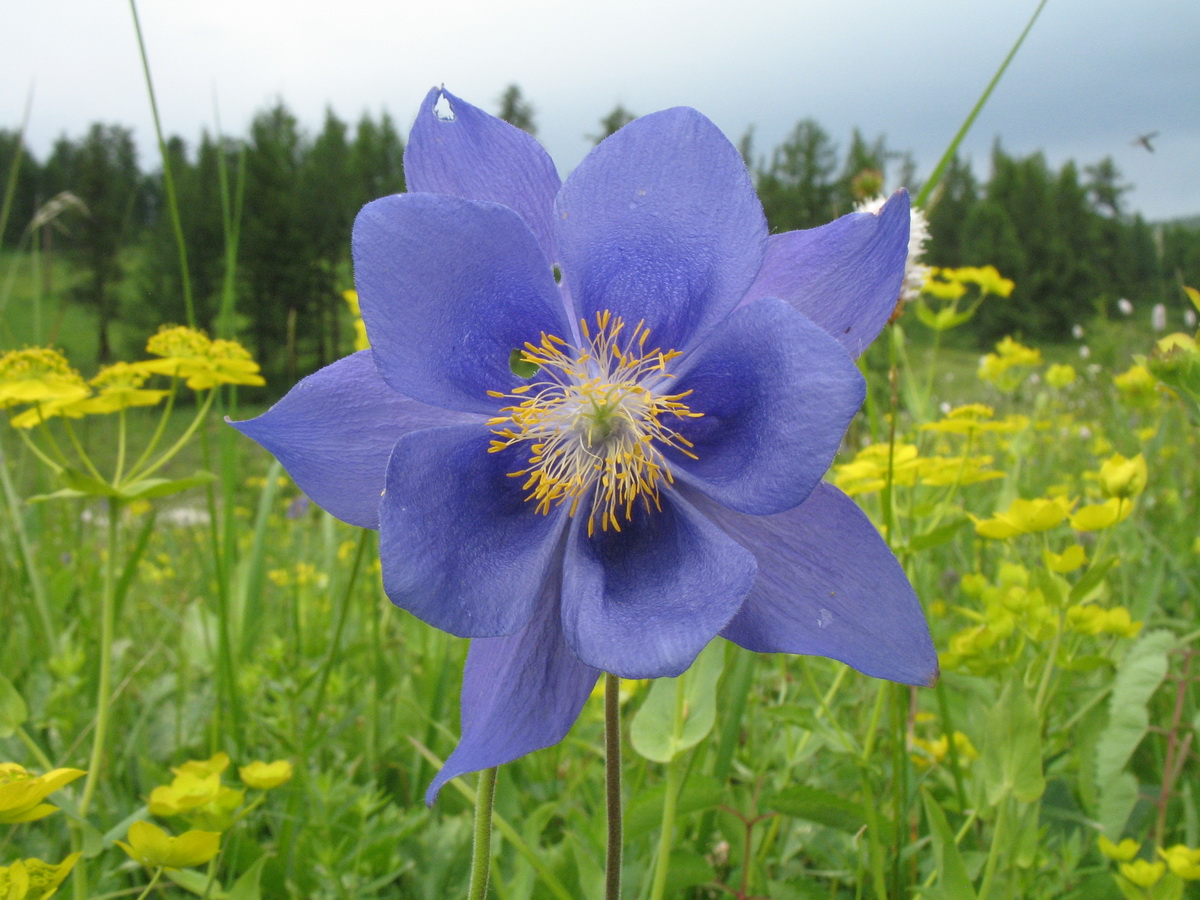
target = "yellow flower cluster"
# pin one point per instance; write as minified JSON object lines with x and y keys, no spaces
{"x":868,"y":471}
{"x":1014,"y":608}
{"x":1008,"y":366}
{"x":1181,"y":861}
{"x":934,"y":752}
{"x":950,"y":284}
{"x":197,"y":796}
{"x":360,"y":329}
{"x":42,"y":378}
{"x":32,"y":879}
{"x":190,"y":354}
{"x":22,"y":793}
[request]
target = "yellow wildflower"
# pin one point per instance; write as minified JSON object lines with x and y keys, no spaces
{"x":218,"y":813}
{"x":32,"y":879}
{"x":1059,"y":375}
{"x":38,"y":375}
{"x":188,"y":353}
{"x":1099,"y":516}
{"x":1121,"y":477}
{"x":264,"y":776}
{"x":187,"y":792}
{"x":21,"y":793}
{"x":988,"y":279}
{"x":1118,"y":622}
{"x":214,"y":765}
{"x":1122,"y":852}
{"x":153,"y":847}
{"x":1067,"y":561}
{"x":995,"y":368}
{"x":1136,"y":386}
{"x":1143,"y":874}
{"x":1182,"y":861}
{"x":360,"y":328}
{"x":1024,"y":517}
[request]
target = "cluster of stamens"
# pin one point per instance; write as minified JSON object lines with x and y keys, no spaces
{"x":591,"y":421}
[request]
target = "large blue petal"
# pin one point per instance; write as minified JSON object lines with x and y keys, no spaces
{"x":461,"y":547}
{"x":334,"y":431}
{"x":644,"y":601}
{"x":448,"y":289}
{"x":845,"y":276}
{"x":776,"y":393}
{"x":828,"y":585}
{"x":660,"y":222}
{"x":479,"y":157}
{"x":520,"y":693}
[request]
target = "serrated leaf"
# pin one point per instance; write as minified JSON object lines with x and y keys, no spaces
{"x":1012,"y":756}
{"x":653,"y":730}
{"x":151,"y":488}
{"x":952,"y":871}
{"x":13,"y":711}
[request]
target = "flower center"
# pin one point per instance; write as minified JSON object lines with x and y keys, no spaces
{"x":595,"y":422}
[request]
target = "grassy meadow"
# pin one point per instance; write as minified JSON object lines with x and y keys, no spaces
{"x":165,"y":630}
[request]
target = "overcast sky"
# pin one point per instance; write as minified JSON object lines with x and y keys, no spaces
{"x":1091,"y":77}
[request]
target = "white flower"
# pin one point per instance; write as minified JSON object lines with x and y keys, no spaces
{"x":915,"y":272}
{"x":1125,"y":307}
{"x":1085,"y":351}
{"x":1077,"y":332}
{"x":1158,"y":317}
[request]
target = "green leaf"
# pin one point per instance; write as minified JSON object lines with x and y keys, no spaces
{"x":196,"y":883}
{"x":952,"y":871}
{"x":938,"y":536}
{"x":644,"y":815}
{"x":812,"y":804}
{"x":150,"y":488}
{"x":85,"y":484}
{"x":1138,"y":677}
{"x":1012,"y":755}
{"x":652,"y":732}
{"x":13,"y":711}
{"x":246,"y":887}
{"x":1091,"y":580}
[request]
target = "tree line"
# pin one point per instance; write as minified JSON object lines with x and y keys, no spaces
{"x":1065,"y":236}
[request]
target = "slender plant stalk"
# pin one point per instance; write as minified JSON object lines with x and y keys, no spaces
{"x":670,"y":798}
{"x":103,"y":687}
{"x":481,"y":849}
{"x":168,"y":179}
{"x":153,"y":881}
{"x":40,"y":605}
{"x":612,"y":781}
{"x":927,"y":188}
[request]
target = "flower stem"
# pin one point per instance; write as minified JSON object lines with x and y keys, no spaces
{"x":104,"y":685}
{"x":481,"y":851}
{"x":179,"y":444}
{"x":612,"y":780}
{"x":674,"y":776}
{"x":153,"y":881}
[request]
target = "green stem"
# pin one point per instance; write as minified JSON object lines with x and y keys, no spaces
{"x":107,"y":627}
{"x":179,"y":444}
{"x":160,"y":428}
{"x":481,"y":849}
{"x":168,"y":180}
{"x":120,"y":467}
{"x":674,"y":776}
{"x":153,"y":881}
{"x":103,"y":688}
{"x":998,"y":839}
{"x":83,"y":457}
{"x":335,"y":646}
{"x":612,"y":782}
{"x":928,"y":187}
{"x":41,"y":606}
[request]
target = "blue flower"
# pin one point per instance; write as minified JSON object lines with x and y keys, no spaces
{"x":594,"y":418}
